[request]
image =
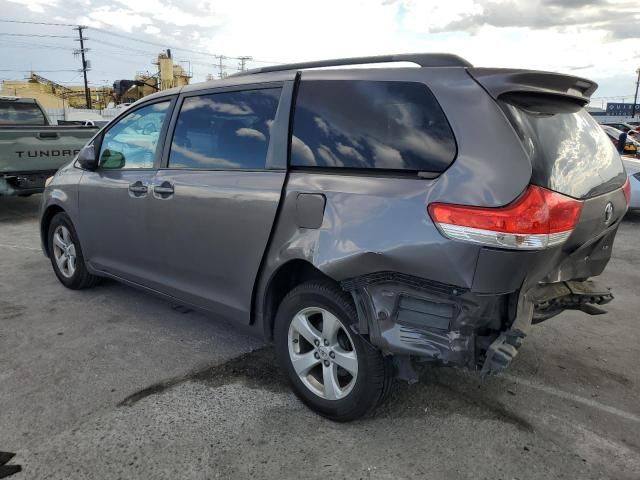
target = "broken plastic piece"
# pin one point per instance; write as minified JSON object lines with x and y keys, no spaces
{"x":404,"y":369}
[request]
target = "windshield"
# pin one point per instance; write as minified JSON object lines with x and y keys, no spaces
{"x":18,"y":113}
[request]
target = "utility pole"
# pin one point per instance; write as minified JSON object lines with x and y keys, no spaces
{"x":243,"y":63}
{"x":85,"y":63}
{"x":221,"y":73}
{"x":635,"y":97}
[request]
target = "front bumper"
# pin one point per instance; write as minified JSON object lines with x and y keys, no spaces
{"x":24,"y":183}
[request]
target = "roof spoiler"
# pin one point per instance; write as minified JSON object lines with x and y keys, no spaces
{"x":422,"y":59}
{"x":500,"y":81}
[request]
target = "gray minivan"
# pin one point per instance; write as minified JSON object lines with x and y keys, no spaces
{"x":361,"y":219}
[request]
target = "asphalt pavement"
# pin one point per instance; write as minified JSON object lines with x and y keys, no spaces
{"x":113,"y":383}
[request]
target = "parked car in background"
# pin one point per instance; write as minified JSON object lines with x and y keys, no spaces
{"x":84,"y":123}
{"x":632,"y":166}
{"x":362,"y":219}
{"x":625,"y":127}
{"x":31,"y":148}
{"x":631,"y":146}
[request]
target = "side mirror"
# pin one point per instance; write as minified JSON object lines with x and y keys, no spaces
{"x":87,"y":158}
{"x":112,"y":159}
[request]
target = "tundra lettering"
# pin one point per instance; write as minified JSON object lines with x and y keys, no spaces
{"x":48,"y":153}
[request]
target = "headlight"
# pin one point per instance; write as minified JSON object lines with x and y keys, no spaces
{"x":48,"y":181}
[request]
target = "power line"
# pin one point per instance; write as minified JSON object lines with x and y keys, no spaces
{"x":34,"y":70}
{"x":612,"y":97}
{"x":34,"y":35}
{"x":128,"y":49}
{"x":39,"y":23}
{"x":155,"y":44}
{"x":14,"y":44}
{"x":215,"y":64}
{"x":172,"y":47}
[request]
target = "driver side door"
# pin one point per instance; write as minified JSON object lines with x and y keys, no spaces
{"x":114,"y":199}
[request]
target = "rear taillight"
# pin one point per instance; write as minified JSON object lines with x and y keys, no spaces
{"x":538,"y":219}
{"x":626,"y":189}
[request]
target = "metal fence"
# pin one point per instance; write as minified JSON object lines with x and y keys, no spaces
{"x":56,"y":114}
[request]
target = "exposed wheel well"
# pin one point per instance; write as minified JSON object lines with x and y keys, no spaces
{"x":285,"y":279}
{"x":49,"y":213}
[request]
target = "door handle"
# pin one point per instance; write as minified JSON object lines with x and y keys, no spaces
{"x":48,"y":135}
{"x":164,"y":190}
{"x":138,"y":188}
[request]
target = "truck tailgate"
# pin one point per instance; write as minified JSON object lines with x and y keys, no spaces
{"x":38,"y":148}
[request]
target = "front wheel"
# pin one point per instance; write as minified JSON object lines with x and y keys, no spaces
{"x":66,"y":254}
{"x":332,"y":369}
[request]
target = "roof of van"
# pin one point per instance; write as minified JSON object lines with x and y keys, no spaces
{"x":496,"y":81}
{"x":421,"y":59}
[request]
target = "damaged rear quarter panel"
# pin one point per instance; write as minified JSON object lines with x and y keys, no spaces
{"x":370,"y":224}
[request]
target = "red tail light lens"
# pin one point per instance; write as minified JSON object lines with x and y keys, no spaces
{"x":626,"y":189}
{"x":538,"y":219}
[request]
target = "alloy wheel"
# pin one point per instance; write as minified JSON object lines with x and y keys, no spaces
{"x":64,"y":251}
{"x":322,"y":353}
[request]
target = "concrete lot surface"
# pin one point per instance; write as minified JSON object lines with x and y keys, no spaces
{"x":113,"y":383}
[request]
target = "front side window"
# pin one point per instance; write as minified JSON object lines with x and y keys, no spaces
{"x":133,"y":141}
{"x":224,"y":131}
{"x":370,"y":125}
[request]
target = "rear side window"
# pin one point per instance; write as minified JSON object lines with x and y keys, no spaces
{"x":18,"y":113}
{"x":224,"y":131}
{"x":370,"y":125}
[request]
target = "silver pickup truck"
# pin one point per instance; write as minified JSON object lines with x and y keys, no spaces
{"x":31,"y":148}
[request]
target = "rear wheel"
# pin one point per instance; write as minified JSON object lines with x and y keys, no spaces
{"x":66,"y":254}
{"x":332,"y":369}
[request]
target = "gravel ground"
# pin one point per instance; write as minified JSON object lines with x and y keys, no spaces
{"x":113,"y":383}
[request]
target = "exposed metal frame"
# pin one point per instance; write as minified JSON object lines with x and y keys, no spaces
{"x":421,"y":59}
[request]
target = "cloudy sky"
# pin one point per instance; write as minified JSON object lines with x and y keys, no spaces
{"x":597,"y":39}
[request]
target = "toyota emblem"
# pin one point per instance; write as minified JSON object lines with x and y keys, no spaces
{"x":608,"y":213}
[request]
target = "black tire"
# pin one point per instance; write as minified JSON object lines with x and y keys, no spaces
{"x":374,"y":372}
{"x":81,"y":278}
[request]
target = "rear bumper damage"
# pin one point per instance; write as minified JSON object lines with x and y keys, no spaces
{"x":414,"y":318}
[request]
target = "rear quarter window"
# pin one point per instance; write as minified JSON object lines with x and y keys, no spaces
{"x":358,"y":124}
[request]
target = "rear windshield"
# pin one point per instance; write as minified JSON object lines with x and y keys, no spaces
{"x":18,"y":113}
{"x":570,"y":152}
{"x":370,"y":125}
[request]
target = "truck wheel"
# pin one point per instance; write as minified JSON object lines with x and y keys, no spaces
{"x":332,"y":369}
{"x":65,"y":254}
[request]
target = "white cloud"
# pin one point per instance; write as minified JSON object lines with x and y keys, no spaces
{"x":593,"y":38}
{"x":37,"y":6}
{"x":152,"y":30}
{"x":125,"y":20}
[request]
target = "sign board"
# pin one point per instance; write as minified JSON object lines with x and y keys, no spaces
{"x":622,"y":109}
